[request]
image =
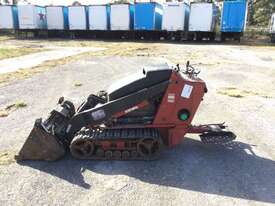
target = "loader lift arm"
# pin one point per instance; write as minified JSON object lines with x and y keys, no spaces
{"x":103,"y":113}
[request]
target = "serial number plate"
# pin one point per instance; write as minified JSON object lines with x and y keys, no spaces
{"x":186,"y":91}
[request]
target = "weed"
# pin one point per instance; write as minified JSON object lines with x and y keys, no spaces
{"x":78,"y":84}
{"x":12,"y":107}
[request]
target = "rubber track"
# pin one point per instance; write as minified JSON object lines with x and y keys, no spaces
{"x":132,"y":136}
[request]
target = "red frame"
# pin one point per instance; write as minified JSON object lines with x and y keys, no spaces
{"x":167,"y":114}
{"x":171,"y":127}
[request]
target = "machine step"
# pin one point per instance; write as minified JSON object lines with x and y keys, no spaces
{"x":218,"y":138}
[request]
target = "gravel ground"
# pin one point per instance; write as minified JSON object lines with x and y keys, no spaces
{"x":189,"y":174}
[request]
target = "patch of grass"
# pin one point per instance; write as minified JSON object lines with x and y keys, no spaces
{"x":16,"y":105}
{"x":123,"y":49}
{"x":20,"y":105}
{"x":16,"y":52}
{"x":112,"y":49}
{"x":239,"y":93}
{"x":231,"y":92}
{"x":234,"y":92}
{"x":4,"y":113}
{"x":5,"y":37}
{"x":12,"y":107}
{"x":7,"y":157}
{"x":78,"y":84}
{"x":25,"y":73}
{"x":142,"y":48}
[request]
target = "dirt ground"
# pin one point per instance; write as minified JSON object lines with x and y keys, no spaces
{"x":241,"y":84}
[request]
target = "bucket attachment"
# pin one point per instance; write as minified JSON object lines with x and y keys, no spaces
{"x":41,"y":145}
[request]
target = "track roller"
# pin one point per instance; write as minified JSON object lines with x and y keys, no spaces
{"x":117,"y":144}
{"x":83,"y":149}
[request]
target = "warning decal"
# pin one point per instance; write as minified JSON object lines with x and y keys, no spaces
{"x":171,"y":98}
{"x":186,"y":91}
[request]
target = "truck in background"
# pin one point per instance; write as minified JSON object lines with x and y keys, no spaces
{"x":233,"y":19}
{"x":99,"y":17}
{"x":57,"y":18}
{"x":121,"y":20}
{"x":202,"y":21}
{"x":8,"y":17}
{"x":272,"y":28}
{"x":147,"y":20}
{"x":78,"y":17}
{"x":175,"y":19}
{"x":32,"y":17}
{"x":122,"y":17}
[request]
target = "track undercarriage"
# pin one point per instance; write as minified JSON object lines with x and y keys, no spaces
{"x":130,"y":143}
{"x":117,"y":144}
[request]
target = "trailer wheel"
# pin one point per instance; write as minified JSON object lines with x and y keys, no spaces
{"x":137,"y":36}
{"x":72,"y":35}
{"x":237,"y":37}
{"x":178,"y":37}
{"x":153,"y":35}
{"x":212,"y":37}
{"x":223,"y":38}
{"x":190,"y":37}
{"x":198,"y":37}
{"x":164,"y":35}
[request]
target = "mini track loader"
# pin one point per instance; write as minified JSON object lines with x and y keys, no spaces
{"x":135,"y":118}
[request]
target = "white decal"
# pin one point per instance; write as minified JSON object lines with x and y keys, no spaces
{"x":99,"y":114}
{"x":186,"y":91}
{"x":131,"y":109}
{"x":171,"y":98}
{"x":68,"y":128}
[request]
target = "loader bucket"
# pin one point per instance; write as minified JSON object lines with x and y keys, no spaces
{"x":41,"y":145}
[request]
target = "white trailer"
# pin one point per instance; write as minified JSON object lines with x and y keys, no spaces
{"x":32,"y":17}
{"x":175,"y":16}
{"x":98,"y":17}
{"x":202,"y":22}
{"x":272,"y":28}
{"x":57,"y":17}
{"x":8,"y":17}
{"x":121,"y":17}
{"x":78,"y":19}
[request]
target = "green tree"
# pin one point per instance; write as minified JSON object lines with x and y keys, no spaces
{"x":9,"y":1}
{"x":263,"y":10}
